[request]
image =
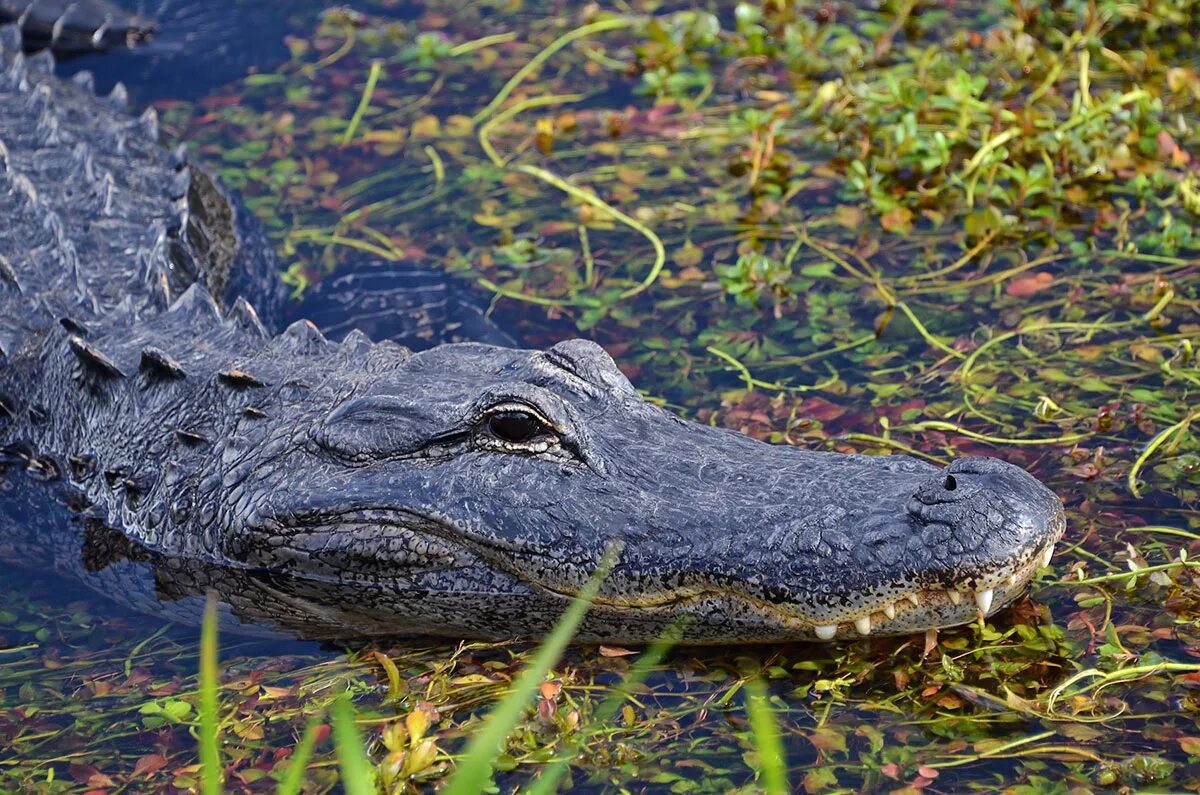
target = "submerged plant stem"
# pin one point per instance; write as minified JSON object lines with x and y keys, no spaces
{"x":938,"y":425}
{"x":1158,"y":441}
{"x":364,"y":102}
{"x":587,"y":197}
{"x":537,"y":60}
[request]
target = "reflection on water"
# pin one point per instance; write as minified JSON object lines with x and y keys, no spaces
{"x":881,"y":230}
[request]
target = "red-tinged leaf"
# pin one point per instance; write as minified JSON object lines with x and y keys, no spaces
{"x":898,"y":220}
{"x":149,"y":764}
{"x":615,"y":651}
{"x":82,"y":773}
{"x":100,"y":781}
{"x":1029,"y":284}
{"x":823,"y":410}
{"x":1166,"y":144}
{"x":1190,"y":745}
{"x":891,"y":770}
{"x":920,"y":782}
{"x":925,"y":771}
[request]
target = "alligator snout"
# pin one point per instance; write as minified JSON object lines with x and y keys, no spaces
{"x":981,"y":495}
{"x":983,"y":516}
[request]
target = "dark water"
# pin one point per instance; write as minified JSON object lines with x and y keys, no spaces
{"x":81,"y":678}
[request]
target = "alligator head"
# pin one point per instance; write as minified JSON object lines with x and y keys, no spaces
{"x":471,"y":490}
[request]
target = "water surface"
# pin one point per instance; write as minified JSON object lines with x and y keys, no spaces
{"x":944,"y":232}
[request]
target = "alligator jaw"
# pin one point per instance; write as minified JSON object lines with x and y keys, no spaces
{"x":917,"y":610}
{"x":936,"y":607}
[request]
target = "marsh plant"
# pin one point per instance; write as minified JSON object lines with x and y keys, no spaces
{"x":940,"y":229}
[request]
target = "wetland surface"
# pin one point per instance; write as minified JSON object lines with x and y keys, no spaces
{"x":932,"y":228}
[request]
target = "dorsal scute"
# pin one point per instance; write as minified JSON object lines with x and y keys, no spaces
{"x":302,"y":338}
{"x":197,"y":303}
{"x":245,"y":316}
{"x":85,"y":80}
{"x":148,"y":122}
{"x":118,"y":98}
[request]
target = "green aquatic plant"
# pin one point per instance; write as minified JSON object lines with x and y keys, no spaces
{"x":473,"y":773}
{"x":961,"y":228}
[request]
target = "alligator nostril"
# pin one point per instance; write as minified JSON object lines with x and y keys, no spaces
{"x":950,"y":484}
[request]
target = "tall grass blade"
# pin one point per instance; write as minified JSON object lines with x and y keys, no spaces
{"x":474,"y":772}
{"x":547,"y":782}
{"x":358,"y":776}
{"x":293,"y":781}
{"x":772,"y":766}
{"x":211,"y":774}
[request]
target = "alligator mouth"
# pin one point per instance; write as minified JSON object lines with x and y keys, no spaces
{"x":906,"y":610}
{"x":892,"y":608}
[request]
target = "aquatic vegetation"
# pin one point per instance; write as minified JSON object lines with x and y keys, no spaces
{"x":939,"y":229}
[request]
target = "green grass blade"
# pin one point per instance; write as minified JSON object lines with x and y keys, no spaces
{"x":358,"y":777}
{"x":547,"y":782}
{"x":474,"y":772}
{"x":211,"y":774}
{"x":293,"y":781}
{"x":772,"y":766}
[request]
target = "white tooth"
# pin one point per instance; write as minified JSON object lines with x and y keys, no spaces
{"x":984,"y":600}
{"x":1049,"y":553}
{"x":1012,"y":581}
{"x":863,"y":625}
{"x":955,"y":596}
{"x":916,"y":600}
{"x":826,"y":633}
{"x":890,"y":611}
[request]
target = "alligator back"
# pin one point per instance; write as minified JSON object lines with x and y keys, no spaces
{"x":75,"y":26}
{"x":98,"y":217}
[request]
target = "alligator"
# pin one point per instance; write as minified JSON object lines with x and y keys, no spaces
{"x":72,"y":27}
{"x":339,"y":489}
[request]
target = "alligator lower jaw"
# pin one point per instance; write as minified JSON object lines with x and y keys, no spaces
{"x":935,"y":608}
{"x":906,"y":612}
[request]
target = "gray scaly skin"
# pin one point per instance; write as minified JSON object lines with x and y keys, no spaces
{"x":356,"y":488}
{"x":75,"y":26}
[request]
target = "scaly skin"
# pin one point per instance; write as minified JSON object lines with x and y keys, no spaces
{"x":356,"y":488}
{"x":75,"y":26}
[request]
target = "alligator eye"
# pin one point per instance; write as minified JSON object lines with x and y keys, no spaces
{"x":950,"y":484}
{"x":514,"y":426}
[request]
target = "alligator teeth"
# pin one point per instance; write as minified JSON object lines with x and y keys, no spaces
{"x":826,"y":632}
{"x":955,"y":596}
{"x":1049,"y":553}
{"x":1012,"y":581}
{"x":863,"y":625}
{"x":983,"y":599}
{"x":916,"y":600}
{"x":890,"y":611}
